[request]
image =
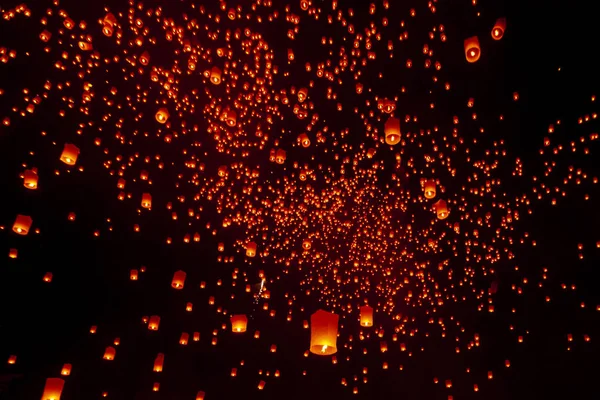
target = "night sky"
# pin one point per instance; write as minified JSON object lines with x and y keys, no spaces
{"x":269,"y":124}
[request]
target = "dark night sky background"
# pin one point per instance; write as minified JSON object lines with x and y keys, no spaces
{"x":47,"y":325}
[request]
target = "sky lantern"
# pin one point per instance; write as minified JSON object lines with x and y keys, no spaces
{"x":366,"y":316}
{"x":251,"y":249}
{"x":154,"y":323}
{"x":323,"y":333}
{"x":12,"y":359}
{"x":146,"y":200}
{"x":108,"y":25}
{"x":230,"y":117}
{"x":239,"y":323}
{"x":69,"y":154}
{"x":30,"y":179}
{"x":22,"y":224}
{"x":429,"y":189}
{"x":109,"y":353}
{"x":280,"y":156}
{"x":306,"y":244}
{"x":13,"y":253}
{"x":392,"y":131}
{"x":215,"y":75}
{"x":66,"y":370}
{"x":162,"y":115}
{"x":302,"y":94}
{"x":53,"y":389}
{"x":184,"y":339}
{"x":133,"y":274}
{"x":441,"y":209}
{"x":178,"y":280}
{"x":499,"y":28}
{"x":200,"y":395}
{"x":472,"y":49}
{"x":47,"y":277}
{"x":304,"y":140}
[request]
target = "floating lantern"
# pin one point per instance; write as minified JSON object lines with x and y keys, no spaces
{"x":53,"y":389}
{"x":392,"y":131}
{"x":69,"y":154}
{"x":178,"y":280}
{"x":239,"y":323}
{"x":366,"y":316}
{"x":323,"y":333}
{"x":251,"y":249}
{"x":472,"y":49}
{"x":499,"y":28}
{"x":429,"y":189}
{"x":22,"y":224}
{"x":30,"y":179}
{"x":154,"y":323}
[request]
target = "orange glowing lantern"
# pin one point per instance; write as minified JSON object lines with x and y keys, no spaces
{"x":48,"y":277}
{"x":12,"y":359}
{"x":215,"y":75}
{"x":30,"y":179}
{"x":109,"y":353}
{"x":146,"y":200}
{"x":304,"y":140}
{"x":261,"y":385}
{"x":154,"y":323}
{"x":69,"y":154}
{"x":429,"y":189}
{"x":302,"y":94}
{"x":108,"y":25}
{"x":323,"y":333}
{"x":184,"y":339}
{"x":53,"y":389}
{"x":499,"y":28}
{"x":366,"y":316}
{"x":162,"y":115}
{"x":306,"y":244}
{"x":251,"y":249}
{"x":22,"y":224}
{"x":230,"y":118}
{"x":280,"y":156}
{"x":13,"y":253}
{"x":239,"y":323}
{"x":392,"y":131}
{"x":178,"y":280}
{"x":441,"y":209}
{"x":145,"y":59}
{"x":133,"y":274}
{"x":472,"y":49}
{"x":66,"y":370}
{"x":200,"y":395}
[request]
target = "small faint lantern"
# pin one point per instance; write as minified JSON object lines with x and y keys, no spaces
{"x":159,"y":362}
{"x":66,"y":370}
{"x":109,"y":353}
{"x":499,"y":28}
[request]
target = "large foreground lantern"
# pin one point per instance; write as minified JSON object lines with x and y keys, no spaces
{"x":392,"y":131}
{"x":472,"y":49}
{"x":53,"y":389}
{"x":239,"y":323}
{"x":366,"y":316}
{"x":30,"y":179}
{"x":323,"y":333}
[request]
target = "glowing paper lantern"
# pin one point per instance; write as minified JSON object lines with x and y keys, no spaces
{"x":53,"y":389}
{"x":239,"y":323}
{"x":162,"y":115}
{"x":215,"y":76}
{"x":304,"y":140}
{"x":22,"y":224}
{"x":66,"y":370}
{"x":147,"y":200}
{"x":200,"y":395}
{"x":12,"y":359}
{"x":429,"y":189}
{"x":392,"y":131}
{"x":154,"y":323}
{"x":366,"y":316}
{"x":499,"y":28}
{"x":472,"y":49}
{"x":13,"y":253}
{"x":441,"y":209}
{"x":109,"y":353}
{"x":159,"y":362}
{"x":323,"y":333}
{"x":178,"y":280}
{"x":251,"y":249}
{"x":30,"y":179}
{"x":184,"y":339}
{"x":69,"y":154}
